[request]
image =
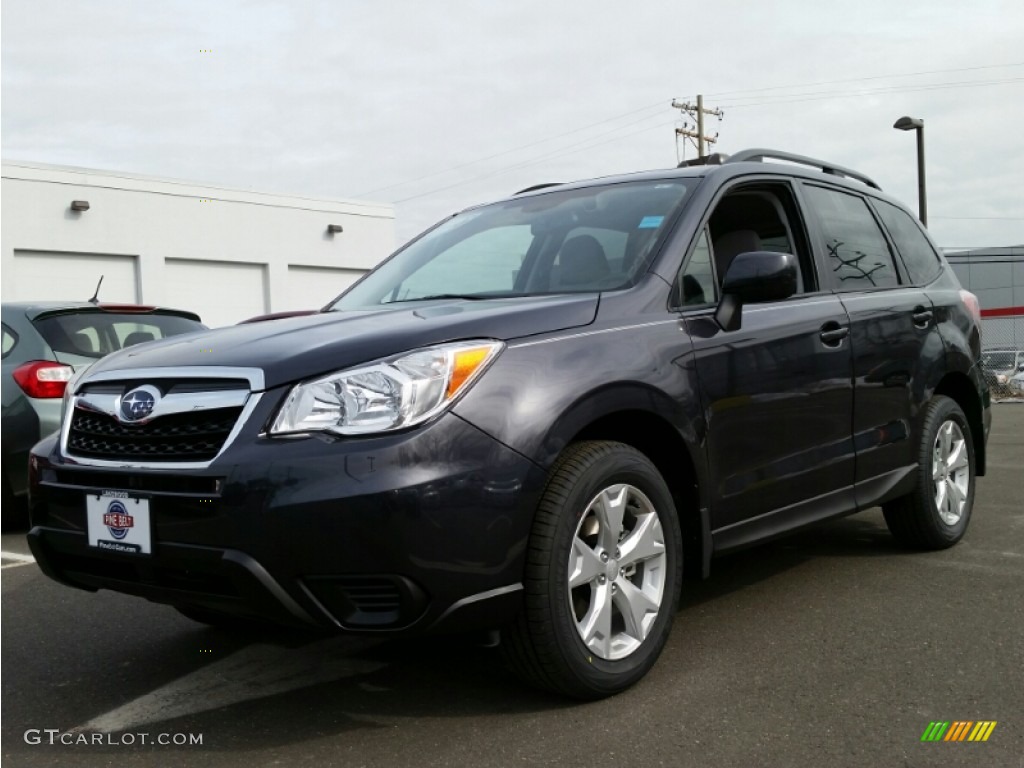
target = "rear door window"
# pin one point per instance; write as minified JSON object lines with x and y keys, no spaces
{"x":857,"y":254}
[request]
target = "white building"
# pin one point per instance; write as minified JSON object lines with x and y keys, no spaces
{"x":226,"y":254}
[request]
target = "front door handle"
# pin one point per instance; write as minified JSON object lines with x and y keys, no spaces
{"x":832,"y":333}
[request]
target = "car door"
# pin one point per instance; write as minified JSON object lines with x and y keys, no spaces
{"x":892,"y":330}
{"x":777,"y":392}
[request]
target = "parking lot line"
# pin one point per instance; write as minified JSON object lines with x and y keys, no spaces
{"x":254,"y":672}
{"x":18,"y":559}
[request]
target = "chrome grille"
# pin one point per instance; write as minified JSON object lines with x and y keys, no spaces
{"x":195,"y":413}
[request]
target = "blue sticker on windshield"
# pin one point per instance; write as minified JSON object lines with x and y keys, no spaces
{"x":650,"y":222}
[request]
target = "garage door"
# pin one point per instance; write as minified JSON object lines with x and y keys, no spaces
{"x":64,"y":276}
{"x":312,"y":287}
{"x":222,"y":292}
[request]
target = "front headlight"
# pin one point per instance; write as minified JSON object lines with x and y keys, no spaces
{"x":390,"y":394}
{"x":1001,"y":378}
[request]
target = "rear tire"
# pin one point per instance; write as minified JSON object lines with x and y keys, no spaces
{"x":936,"y":513}
{"x":603,"y":574}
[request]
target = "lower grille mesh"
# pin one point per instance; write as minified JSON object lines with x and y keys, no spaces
{"x":190,"y":436}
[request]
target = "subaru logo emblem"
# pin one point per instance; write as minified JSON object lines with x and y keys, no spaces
{"x":139,"y":403}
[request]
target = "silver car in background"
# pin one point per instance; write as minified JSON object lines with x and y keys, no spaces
{"x":1000,"y":365}
{"x":44,"y":344}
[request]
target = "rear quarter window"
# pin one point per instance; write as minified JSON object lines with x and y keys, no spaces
{"x":920,"y":259}
{"x":10,"y":341}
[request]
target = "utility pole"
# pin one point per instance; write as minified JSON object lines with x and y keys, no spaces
{"x":697,"y":112}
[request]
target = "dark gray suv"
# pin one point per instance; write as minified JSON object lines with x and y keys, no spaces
{"x":535,"y":417}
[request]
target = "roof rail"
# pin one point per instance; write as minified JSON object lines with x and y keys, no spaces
{"x":535,"y":187}
{"x":759,"y":155}
{"x":718,"y":158}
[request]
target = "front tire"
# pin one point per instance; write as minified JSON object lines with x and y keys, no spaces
{"x":603,"y":574}
{"x":936,"y":513}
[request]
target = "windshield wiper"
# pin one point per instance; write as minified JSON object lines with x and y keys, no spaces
{"x":466,"y":296}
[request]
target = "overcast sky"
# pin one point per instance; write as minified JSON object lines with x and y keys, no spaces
{"x":436,"y":106}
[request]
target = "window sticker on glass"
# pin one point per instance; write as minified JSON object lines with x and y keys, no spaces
{"x":650,"y":222}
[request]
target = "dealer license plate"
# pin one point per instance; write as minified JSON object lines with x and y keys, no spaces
{"x":118,"y":522}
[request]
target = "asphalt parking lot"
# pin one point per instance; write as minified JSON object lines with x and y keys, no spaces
{"x":830,"y":648}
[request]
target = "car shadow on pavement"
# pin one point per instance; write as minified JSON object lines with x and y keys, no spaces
{"x":381,"y":684}
{"x":386,"y":684}
{"x":862,"y":535}
{"x":280,"y":688}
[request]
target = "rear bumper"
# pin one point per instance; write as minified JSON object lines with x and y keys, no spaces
{"x":412,"y":532}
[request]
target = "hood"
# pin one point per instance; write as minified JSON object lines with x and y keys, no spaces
{"x":303,"y":347}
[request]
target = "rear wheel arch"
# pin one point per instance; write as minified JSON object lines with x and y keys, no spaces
{"x":935,"y":512}
{"x":957,"y":386}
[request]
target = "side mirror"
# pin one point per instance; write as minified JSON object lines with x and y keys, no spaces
{"x":754,"y":277}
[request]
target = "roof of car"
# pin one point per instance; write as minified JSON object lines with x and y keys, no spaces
{"x":741,"y":163}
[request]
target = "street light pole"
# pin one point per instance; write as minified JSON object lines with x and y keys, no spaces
{"x":916,"y":124}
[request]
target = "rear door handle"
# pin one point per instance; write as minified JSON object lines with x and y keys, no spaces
{"x":922,"y":317}
{"x":832,"y":333}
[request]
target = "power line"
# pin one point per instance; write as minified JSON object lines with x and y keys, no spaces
{"x":516,"y":149}
{"x":821,"y":95}
{"x":864,"y":79}
{"x":542,"y":158}
{"x":782,"y":99}
{"x":947,"y":248}
{"x":722,"y":93}
{"x":886,"y":88}
{"x":980,"y":218}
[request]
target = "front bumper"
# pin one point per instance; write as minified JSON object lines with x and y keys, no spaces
{"x":407,"y":532}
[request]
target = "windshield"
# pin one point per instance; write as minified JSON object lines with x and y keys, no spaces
{"x":568,"y":241}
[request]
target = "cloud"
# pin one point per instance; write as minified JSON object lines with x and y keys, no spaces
{"x":341,"y":99}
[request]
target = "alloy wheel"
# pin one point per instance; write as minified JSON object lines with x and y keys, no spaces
{"x":617,"y":571}
{"x":950,"y":472}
